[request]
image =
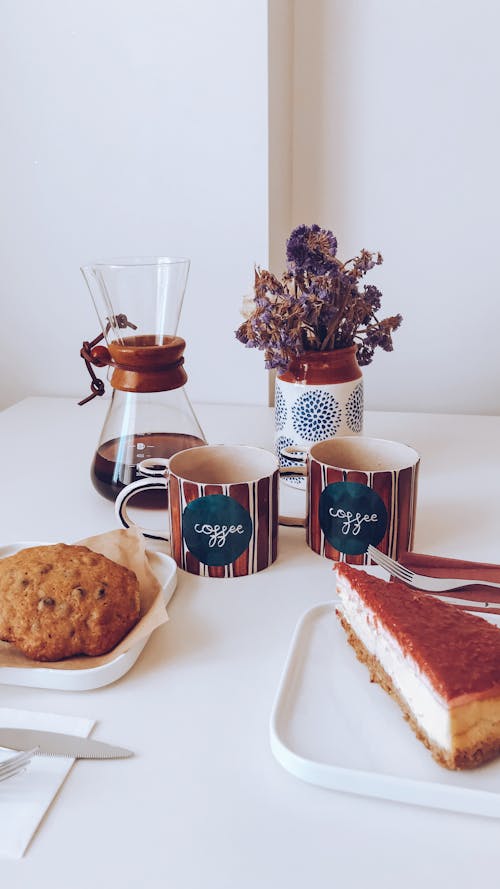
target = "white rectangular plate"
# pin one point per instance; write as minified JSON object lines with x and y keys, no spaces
{"x":332,"y":727}
{"x":165,"y":571}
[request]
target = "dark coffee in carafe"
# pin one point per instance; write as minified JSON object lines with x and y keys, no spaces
{"x":115,"y":463}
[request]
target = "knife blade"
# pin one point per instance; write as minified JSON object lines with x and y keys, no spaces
{"x":56,"y":744}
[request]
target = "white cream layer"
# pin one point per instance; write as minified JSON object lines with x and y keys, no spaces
{"x":428,"y":708}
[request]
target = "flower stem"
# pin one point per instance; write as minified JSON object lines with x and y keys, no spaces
{"x":334,"y":325}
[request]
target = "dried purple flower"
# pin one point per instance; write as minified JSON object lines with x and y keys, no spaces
{"x":312,"y":250}
{"x":317,"y":305}
{"x":373,"y":296}
{"x":364,"y":355}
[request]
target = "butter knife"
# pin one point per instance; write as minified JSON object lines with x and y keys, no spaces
{"x":56,"y":744}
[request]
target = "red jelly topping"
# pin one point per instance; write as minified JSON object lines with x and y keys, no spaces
{"x":459,"y":652}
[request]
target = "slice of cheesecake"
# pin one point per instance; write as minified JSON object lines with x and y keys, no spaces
{"x":440,"y":663}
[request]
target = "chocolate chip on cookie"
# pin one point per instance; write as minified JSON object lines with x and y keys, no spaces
{"x":46,"y":609}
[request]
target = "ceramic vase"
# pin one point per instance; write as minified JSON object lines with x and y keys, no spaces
{"x":319,"y":396}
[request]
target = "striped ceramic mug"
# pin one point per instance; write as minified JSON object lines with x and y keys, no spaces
{"x":360,"y":491}
{"x":222,"y":504}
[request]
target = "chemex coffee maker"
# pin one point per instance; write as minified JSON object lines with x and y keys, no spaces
{"x":138,"y":302}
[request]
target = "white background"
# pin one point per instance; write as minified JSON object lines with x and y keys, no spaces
{"x":396,"y":143}
{"x":143,"y":128}
{"x":129,"y":129}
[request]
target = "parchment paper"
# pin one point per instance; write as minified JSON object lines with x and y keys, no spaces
{"x":127,"y":547}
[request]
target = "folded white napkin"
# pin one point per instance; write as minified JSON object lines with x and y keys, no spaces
{"x":25,"y":798}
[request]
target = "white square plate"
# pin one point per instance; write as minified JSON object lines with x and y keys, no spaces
{"x":332,"y":727}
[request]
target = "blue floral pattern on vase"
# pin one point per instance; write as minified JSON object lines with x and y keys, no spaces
{"x":316,"y":415}
{"x":280,"y":410}
{"x":354,"y":409}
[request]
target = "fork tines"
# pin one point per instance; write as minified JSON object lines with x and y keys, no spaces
{"x":16,"y":764}
{"x":394,"y":568}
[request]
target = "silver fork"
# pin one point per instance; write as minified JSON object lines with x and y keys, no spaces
{"x":15,"y":764}
{"x":431,"y":584}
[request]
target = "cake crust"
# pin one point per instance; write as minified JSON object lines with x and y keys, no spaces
{"x":458,"y":651}
{"x":467,"y":758}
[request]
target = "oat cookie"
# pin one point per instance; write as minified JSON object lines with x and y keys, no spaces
{"x":59,"y":601}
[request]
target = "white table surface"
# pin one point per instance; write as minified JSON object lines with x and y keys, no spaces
{"x":204,"y":803}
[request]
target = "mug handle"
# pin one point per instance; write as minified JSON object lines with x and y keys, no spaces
{"x":158,"y":481}
{"x":291,"y":452}
{"x":155,"y":468}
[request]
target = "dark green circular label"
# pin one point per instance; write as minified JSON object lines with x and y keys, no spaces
{"x":351,"y":517}
{"x":216,"y":528}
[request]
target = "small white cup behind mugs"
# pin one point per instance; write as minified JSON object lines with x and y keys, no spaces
{"x":222,"y":507}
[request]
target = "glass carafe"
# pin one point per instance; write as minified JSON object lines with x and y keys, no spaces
{"x":138,"y":303}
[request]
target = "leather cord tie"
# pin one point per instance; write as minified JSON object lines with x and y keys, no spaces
{"x":90,"y":357}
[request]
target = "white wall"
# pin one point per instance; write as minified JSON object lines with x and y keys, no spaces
{"x":130,"y":128}
{"x":133,"y":128}
{"x":396,"y":148}
{"x":281,"y":111}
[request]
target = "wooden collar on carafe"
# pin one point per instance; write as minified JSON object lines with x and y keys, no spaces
{"x":142,"y":364}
